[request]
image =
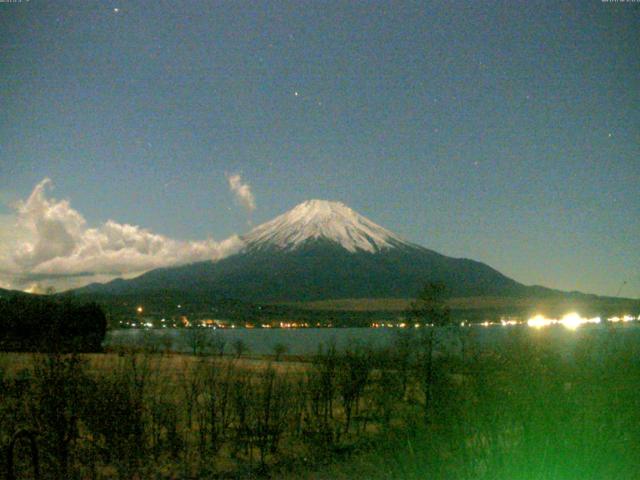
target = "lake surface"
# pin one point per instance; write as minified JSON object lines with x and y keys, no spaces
{"x":305,"y":341}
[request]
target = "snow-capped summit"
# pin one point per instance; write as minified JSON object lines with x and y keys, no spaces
{"x":322,"y":219}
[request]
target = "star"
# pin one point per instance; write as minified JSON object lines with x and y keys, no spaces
{"x":116,"y":10}
{"x":296,"y":94}
{"x":610,"y":135}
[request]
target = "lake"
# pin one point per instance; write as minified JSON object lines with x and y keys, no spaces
{"x":305,"y":341}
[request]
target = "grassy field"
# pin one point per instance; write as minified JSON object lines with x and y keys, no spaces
{"x":522,"y":410}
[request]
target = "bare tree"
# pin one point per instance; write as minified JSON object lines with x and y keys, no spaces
{"x":218,"y":343}
{"x":217,"y":381}
{"x":241,"y":404}
{"x":196,"y":339}
{"x":352,"y":377}
{"x":279,"y":349}
{"x":431,"y":311}
{"x":321,"y":386}
{"x":59,"y":383}
{"x":270,"y":414}
{"x":240,"y":347}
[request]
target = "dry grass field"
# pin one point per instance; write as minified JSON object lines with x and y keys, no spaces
{"x":519,"y":410}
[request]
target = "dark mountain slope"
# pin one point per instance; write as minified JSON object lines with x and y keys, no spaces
{"x":321,"y":270}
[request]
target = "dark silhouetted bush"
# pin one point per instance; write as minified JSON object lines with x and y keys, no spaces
{"x":34,"y":323}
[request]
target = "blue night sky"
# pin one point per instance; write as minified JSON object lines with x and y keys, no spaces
{"x":507,"y":132}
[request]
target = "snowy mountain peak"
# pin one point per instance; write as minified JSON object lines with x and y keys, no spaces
{"x":322,"y":219}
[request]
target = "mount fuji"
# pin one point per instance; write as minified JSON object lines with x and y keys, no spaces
{"x":321,"y":250}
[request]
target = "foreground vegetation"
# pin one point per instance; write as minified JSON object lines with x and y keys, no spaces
{"x":44,"y":323}
{"x":523,"y":410}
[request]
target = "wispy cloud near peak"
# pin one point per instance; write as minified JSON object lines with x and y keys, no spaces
{"x":242,"y":192}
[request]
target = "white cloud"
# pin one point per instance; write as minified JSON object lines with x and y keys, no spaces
{"x":242,"y":192}
{"x":51,"y":241}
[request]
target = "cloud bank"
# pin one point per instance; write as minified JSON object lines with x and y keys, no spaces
{"x":242,"y":192}
{"x":50,"y":240}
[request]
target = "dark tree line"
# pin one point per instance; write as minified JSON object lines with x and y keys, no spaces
{"x":35,"y":323}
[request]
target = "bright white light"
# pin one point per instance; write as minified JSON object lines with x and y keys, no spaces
{"x":540,"y":321}
{"x":571,"y":321}
{"x":624,"y":318}
{"x":508,"y":322}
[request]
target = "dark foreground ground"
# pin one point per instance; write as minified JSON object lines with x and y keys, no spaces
{"x":522,"y":410}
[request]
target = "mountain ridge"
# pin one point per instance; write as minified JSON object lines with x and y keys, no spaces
{"x":321,"y":250}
